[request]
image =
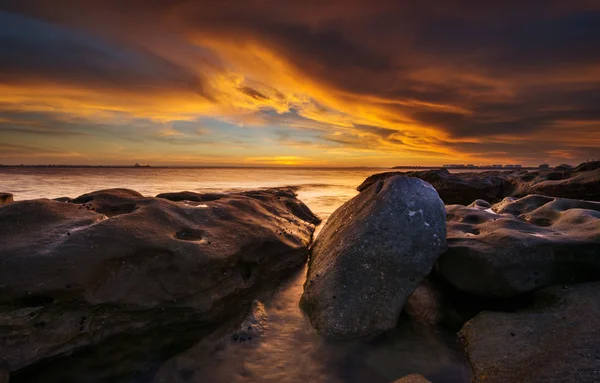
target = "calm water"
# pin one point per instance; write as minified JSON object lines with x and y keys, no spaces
{"x":323,"y":190}
{"x":289,"y":350}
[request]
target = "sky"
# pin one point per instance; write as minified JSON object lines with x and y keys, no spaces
{"x":299,"y":83}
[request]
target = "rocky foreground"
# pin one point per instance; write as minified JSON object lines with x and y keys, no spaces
{"x":112,"y":263}
{"x":519,"y":273}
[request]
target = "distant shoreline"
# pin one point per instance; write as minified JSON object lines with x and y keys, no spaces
{"x":190,"y":167}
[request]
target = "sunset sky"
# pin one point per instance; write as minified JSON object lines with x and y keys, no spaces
{"x":308,"y":83}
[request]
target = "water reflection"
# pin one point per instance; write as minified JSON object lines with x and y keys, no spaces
{"x":291,"y":351}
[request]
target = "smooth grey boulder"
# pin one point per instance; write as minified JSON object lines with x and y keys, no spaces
{"x":521,"y":245}
{"x":6,"y":198}
{"x":72,"y":277}
{"x":371,"y":255}
{"x":554,"y":341}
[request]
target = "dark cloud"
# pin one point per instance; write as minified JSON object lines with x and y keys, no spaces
{"x":32,"y":50}
{"x":470,"y":69}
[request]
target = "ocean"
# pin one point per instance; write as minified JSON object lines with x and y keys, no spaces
{"x":323,"y":190}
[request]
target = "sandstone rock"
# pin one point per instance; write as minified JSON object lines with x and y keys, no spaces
{"x":555,"y":341}
{"x":6,"y":198}
{"x":520,"y":245}
{"x":371,"y":255}
{"x":413,"y":378}
{"x":71,"y":276}
{"x":582,"y":182}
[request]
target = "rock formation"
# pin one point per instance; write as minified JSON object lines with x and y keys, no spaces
{"x":555,"y":341}
{"x":371,"y":255}
{"x":520,"y":245}
{"x":582,"y":182}
{"x":74,"y":274}
{"x":6,"y":198}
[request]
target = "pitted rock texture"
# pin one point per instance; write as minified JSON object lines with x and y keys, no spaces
{"x":520,"y":245}
{"x":556,"y":340}
{"x":113,"y":262}
{"x":371,"y":255}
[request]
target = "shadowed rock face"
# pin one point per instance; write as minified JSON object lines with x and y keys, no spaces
{"x":72,"y":276}
{"x":6,"y":198}
{"x":191,"y":196}
{"x":582,"y":182}
{"x":370,"y":256}
{"x":413,"y":378}
{"x":555,"y":341}
{"x":520,"y":245}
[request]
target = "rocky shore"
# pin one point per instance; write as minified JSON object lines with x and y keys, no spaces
{"x":511,"y":259}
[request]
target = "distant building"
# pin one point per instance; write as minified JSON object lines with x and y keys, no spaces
{"x":513,"y":166}
{"x":544,"y":166}
{"x":138,"y":165}
{"x":496,"y":166}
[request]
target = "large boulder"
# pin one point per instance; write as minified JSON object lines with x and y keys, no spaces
{"x":555,"y":341}
{"x":520,"y":245}
{"x":582,"y":182}
{"x":6,"y":198}
{"x":371,"y":255}
{"x":72,"y":276}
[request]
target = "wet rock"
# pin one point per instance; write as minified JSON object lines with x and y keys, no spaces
{"x":191,"y":196}
{"x":554,"y":341}
{"x":73,"y":277}
{"x":371,"y":255}
{"x":254,"y":326}
{"x":582,"y":182}
{"x":6,"y":198}
{"x":110,"y":202}
{"x":520,"y":245}
{"x":413,"y":378}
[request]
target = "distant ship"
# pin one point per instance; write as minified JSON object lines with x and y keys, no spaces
{"x":138,"y":165}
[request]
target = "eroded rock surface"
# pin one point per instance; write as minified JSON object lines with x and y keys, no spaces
{"x":371,"y":255}
{"x":555,"y":341}
{"x":520,"y":245}
{"x":114,"y":262}
{"x":582,"y":182}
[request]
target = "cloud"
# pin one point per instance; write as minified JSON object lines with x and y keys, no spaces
{"x":423,"y":81}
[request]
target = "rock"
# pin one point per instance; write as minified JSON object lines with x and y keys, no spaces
{"x":6,"y":198}
{"x":72,"y":277}
{"x":191,"y":196}
{"x":520,"y":245}
{"x":582,"y":182}
{"x":110,"y":202}
{"x":371,"y":255}
{"x":413,"y":378}
{"x":456,"y":188}
{"x":555,"y":341}
{"x":4,"y":375}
